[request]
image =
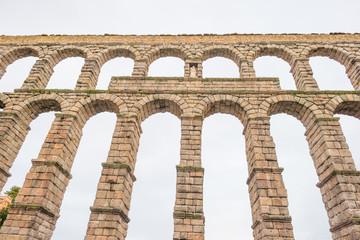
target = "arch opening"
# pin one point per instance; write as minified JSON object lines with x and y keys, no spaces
{"x":167,"y":66}
{"x":86,"y":170}
{"x":330,"y":74}
{"x":309,"y":217}
{"x":159,"y":105}
{"x":16,"y":73}
{"x":30,"y":149}
{"x":223,"y":106}
{"x":66,"y":73}
{"x":271,"y":66}
{"x":226,"y":201}
{"x":220,"y":67}
{"x":119,"y":66}
{"x":30,"y":111}
{"x":159,"y":152}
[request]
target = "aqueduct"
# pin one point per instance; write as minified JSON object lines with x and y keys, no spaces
{"x":191,"y":98}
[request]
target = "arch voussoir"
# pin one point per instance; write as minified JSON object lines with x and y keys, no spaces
{"x":348,"y":104}
{"x":157,"y":103}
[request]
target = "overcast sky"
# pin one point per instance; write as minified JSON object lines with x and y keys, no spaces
{"x":226,"y":201}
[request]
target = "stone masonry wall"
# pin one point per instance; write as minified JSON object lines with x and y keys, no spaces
{"x":191,"y":98}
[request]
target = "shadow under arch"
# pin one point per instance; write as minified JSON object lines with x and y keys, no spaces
{"x":160,"y":103}
{"x":301,"y":109}
{"x":111,"y":53}
{"x":164,"y":51}
{"x":32,"y":107}
{"x":219,"y":51}
{"x":348,"y":104}
{"x":281,"y":52}
{"x":10,"y":56}
{"x":336,"y":53}
{"x":98,"y":103}
{"x":238,"y":107}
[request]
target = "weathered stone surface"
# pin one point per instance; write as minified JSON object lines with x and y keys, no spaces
{"x":191,"y":98}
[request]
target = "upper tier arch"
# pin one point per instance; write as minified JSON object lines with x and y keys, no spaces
{"x":16,"y":53}
{"x":336,"y":53}
{"x":114,"y":52}
{"x":280,"y":51}
{"x":222,"y":51}
{"x":165,"y":51}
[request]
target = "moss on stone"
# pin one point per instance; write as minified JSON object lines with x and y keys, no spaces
{"x":127,"y":116}
{"x":190,"y":169}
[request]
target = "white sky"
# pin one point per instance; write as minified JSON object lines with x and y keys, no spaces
{"x":226,"y":201}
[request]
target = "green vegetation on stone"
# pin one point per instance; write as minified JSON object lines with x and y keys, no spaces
{"x":13,"y":192}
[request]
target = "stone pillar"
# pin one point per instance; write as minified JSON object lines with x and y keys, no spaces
{"x":109,"y":214}
{"x":353,"y":72}
{"x":303,"y":75}
{"x":188,"y":212}
{"x":140,"y":69}
{"x":2,"y":72}
{"x":37,"y":206}
{"x":12,"y":135}
{"x":39,"y":75}
{"x":338,"y":178}
{"x":89,"y":75}
{"x":268,"y":196}
{"x":247,"y":69}
{"x":193,"y":68}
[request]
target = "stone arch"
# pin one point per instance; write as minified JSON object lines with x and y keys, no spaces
{"x":152,"y":104}
{"x":286,"y":54}
{"x":298,"y":107}
{"x":43,"y":69}
{"x":279,"y":51}
{"x":338,"y":54}
{"x":222,"y":51}
{"x":57,"y":55}
{"x":348,"y":104}
{"x":92,"y":105}
{"x":13,"y":54}
{"x":165,"y":51}
{"x":238,"y":107}
{"x":114,"y":52}
{"x":333,"y":52}
{"x":96,"y":63}
{"x":29,"y":109}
